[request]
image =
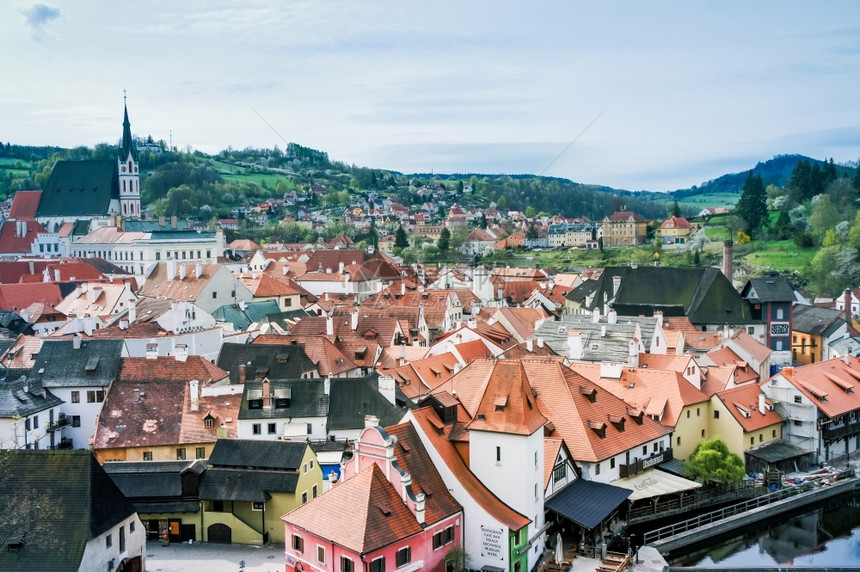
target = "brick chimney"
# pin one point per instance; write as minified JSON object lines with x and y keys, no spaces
{"x":846,"y":300}
{"x":267,"y":393}
{"x":727,"y":258}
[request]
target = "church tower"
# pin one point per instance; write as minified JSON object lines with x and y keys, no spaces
{"x":128,"y":166}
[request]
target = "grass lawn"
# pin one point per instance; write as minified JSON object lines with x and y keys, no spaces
{"x":781,"y":255}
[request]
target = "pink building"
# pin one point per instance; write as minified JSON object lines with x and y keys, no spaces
{"x":391,"y":510}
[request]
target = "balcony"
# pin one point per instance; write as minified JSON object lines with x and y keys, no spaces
{"x":832,"y":432}
{"x":643,"y":464}
{"x":63,"y":421}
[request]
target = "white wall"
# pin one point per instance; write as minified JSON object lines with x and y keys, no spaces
{"x":97,"y":555}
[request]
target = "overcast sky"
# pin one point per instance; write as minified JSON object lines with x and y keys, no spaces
{"x":634,"y":95}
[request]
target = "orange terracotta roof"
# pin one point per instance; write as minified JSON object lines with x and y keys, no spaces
{"x":829,"y":384}
{"x":427,"y":422}
{"x":743,"y":403}
{"x":364,"y":513}
{"x":507,"y":404}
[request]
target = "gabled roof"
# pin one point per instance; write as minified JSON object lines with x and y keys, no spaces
{"x":307,"y":398}
{"x":830,"y":385}
{"x":151,"y":485}
{"x":80,"y":189}
{"x":327,"y":357}
{"x":363,"y":513}
{"x":285,"y":361}
{"x":94,"y":364}
{"x":258,"y":454}
{"x":816,"y":321}
{"x":16,"y":297}
{"x":25,"y":204}
{"x":351,"y":400}
{"x":623,"y":216}
{"x":743,"y":404}
{"x":15,"y":402}
{"x":439,"y":437}
{"x":14,"y":241}
{"x":88,"y":505}
{"x":507,"y":404}
{"x":768,"y":289}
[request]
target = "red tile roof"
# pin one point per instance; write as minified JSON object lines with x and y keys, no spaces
{"x":25,"y":204}
{"x":362,"y":513}
{"x":829,"y":384}
{"x":743,"y":403}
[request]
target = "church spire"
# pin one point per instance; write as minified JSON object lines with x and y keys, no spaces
{"x":128,"y":146}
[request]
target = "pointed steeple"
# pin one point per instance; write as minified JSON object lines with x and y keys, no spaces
{"x":128,"y":146}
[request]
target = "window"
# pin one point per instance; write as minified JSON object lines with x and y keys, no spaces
{"x":346,"y":565}
{"x":147,"y":455}
{"x":559,"y":473}
{"x":774,"y":434}
{"x":256,"y":505}
{"x":688,"y":414}
{"x":645,"y":450}
{"x":298,"y":543}
{"x":404,"y":556}
{"x":612,"y":463}
{"x":377,"y":565}
{"x":271,"y":427}
{"x":314,"y":492}
{"x":536,"y":463}
{"x":797,"y":423}
{"x":76,"y":420}
{"x":751,"y":330}
{"x":304,"y":497}
{"x":122,"y":539}
{"x":596,"y":468}
{"x":200,"y":453}
{"x":310,"y":429}
{"x":798,"y":399}
{"x":536,"y":491}
{"x":498,"y":454}
{"x":760,"y":437}
{"x":752,"y":441}
{"x":180,"y":454}
{"x":698,"y":412}
{"x":76,"y":397}
{"x":703,"y":433}
{"x":214,"y":295}
{"x":257,"y":429}
{"x":108,"y":541}
{"x":311,"y":464}
{"x":305,"y":468}
{"x":131,"y":527}
{"x":716,"y":414}
{"x":678,"y":441}
{"x":209,"y":423}
{"x":443,"y":537}
{"x":321,"y":554}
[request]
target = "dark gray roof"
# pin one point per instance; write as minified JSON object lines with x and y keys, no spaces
{"x":79,"y":189}
{"x":275,"y":362}
{"x":776,"y":451}
{"x":95,"y":363}
{"x":151,"y":479}
{"x":87,"y":504}
{"x":704,"y":295}
{"x":816,"y":321}
{"x":241,"y":319}
{"x":601,"y":341}
{"x":307,"y":398}
{"x":167,"y":507}
{"x":14,"y":401}
{"x":257,"y":454}
{"x":353,"y":399}
{"x":154,"y":225}
{"x":768,"y":289}
{"x":587,"y":503}
{"x":246,"y":485}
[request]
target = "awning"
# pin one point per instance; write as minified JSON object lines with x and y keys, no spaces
{"x":587,"y":503}
{"x":777,"y":451}
{"x":653,"y":483}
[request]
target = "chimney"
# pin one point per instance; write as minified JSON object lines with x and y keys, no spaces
{"x":113,"y":218}
{"x":354,"y":316}
{"x":267,"y":393}
{"x":76,"y":342}
{"x":612,"y":316}
{"x":386,"y":387}
{"x":180,"y":352}
{"x":340,"y":267}
{"x":727,"y":258}
{"x":171,"y":269}
{"x":123,"y":324}
{"x":132,"y":312}
{"x":329,"y":326}
{"x":595,"y":316}
{"x":242,"y":373}
{"x":402,"y":288}
{"x":761,"y":405}
{"x":56,"y":274}
{"x":194,"y":394}
{"x":574,"y":345}
{"x":94,"y":293}
{"x":182,"y":271}
{"x":32,"y":266}
{"x":174,"y":221}
{"x":530,"y":345}
{"x":371,"y":421}
{"x":161,"y":221}
{"x":419,"y":508}
{"x":846,"y":299}
{"x":540,"y":342}
{"x":151,"y":351}
{"x":327,"y":385}
{"x":616,"y":284}
{"x":198,"y":270}
{"x":46,"y":275}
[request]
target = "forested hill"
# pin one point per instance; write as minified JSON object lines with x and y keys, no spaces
{"x":776,"y":171}
{"x":193,"y":184}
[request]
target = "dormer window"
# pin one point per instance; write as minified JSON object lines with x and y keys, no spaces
{"x":590,"y":394}
{"x":209,"y":422}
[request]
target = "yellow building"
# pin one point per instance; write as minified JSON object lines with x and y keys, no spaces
{"x":624,"y":228}
{"x":743,"y":418}
{"x":675,"y":230}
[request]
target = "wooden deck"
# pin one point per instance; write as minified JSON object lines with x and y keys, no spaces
{"x":613,"y":562}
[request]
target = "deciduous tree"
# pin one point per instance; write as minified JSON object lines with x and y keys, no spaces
{"x":712,"y":462}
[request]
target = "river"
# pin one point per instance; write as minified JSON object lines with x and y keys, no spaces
{"x":825,"y":536}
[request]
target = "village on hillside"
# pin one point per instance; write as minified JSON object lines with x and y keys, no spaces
{"x":162,"y":385}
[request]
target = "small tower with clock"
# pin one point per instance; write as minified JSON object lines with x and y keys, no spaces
{"x":128,"y":167}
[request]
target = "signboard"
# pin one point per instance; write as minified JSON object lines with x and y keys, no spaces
{"x":492,"y":542}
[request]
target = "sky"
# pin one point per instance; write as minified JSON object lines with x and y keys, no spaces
{"x":633,"y":95}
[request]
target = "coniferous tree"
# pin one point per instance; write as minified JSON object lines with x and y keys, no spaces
{"x":400,"y":238}
{"x":444,"y":242}
{"x":752,"y":206}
